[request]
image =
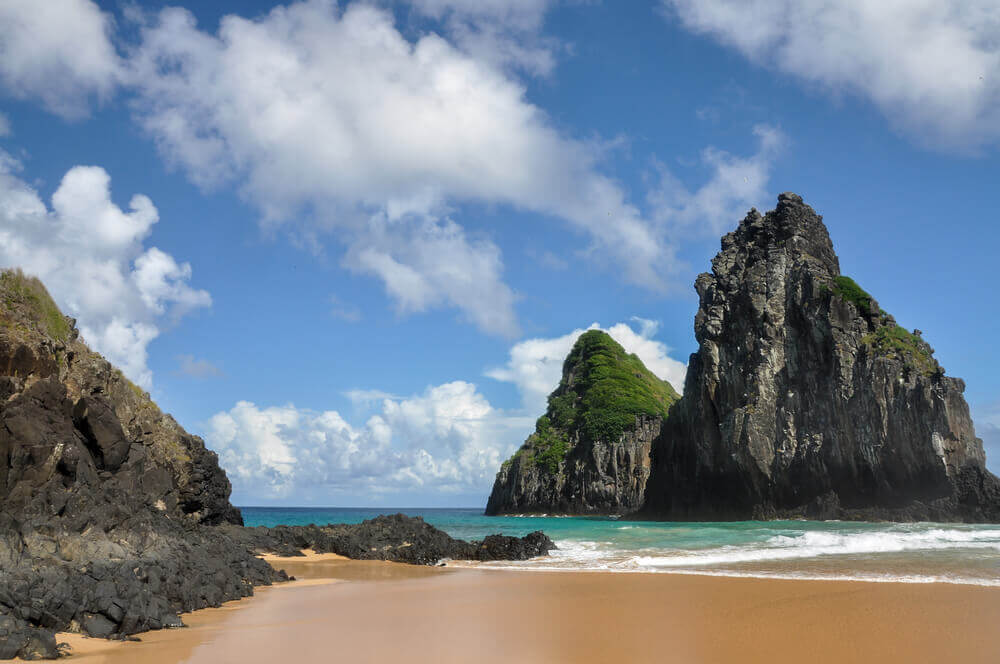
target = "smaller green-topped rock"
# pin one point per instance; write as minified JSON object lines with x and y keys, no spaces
{"x":589,"y":453}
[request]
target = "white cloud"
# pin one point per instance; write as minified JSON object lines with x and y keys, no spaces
{"x":336,"y":114}
{"x":448,"y":439}
{"x":58,"y":51}
{"x":931,"y":66}
{"x":431,"y":262}
{"x":4,"y":126}
{"x":501,"y":32}
{"x":535,"y":365}
{"x":737,"y":183}
{"x":90,"y":255}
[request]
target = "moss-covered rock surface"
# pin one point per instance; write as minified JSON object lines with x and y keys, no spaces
{"x":605,"y":397}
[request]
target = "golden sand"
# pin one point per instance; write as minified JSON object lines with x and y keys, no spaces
{"x":387,"y":612}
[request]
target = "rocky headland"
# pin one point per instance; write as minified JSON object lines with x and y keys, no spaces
{"x":114,"y":520}
{"x":590,"y":452}
{"x":804,"y":400}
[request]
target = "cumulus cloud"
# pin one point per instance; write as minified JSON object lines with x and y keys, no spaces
{"x":59,"y":52}
{"x":929,"y":65}
{"x":426,"y":264}
{"x":535,"y":365}
{"x":736,"y":184}
{"x":448,"y":439}
{"x":338,"y":116}
{"x":90,"y":255}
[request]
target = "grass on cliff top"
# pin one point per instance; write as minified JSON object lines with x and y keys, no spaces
{"x":888,"y":339}
{"x":602,"y":390}
{"x":850,"y":291}
{"x":26,"y":296}
{"x":612,"y":388}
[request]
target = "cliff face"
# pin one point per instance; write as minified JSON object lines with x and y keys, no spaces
{"x":105,"y":502}
{"x":590,"y":451}
{"x":806,"y":399}
{"x":70,"y":407}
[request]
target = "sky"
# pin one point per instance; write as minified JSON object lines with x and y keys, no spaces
{"x":350,"y":243}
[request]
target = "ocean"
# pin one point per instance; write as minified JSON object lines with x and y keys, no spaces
{"x":877,"y":552}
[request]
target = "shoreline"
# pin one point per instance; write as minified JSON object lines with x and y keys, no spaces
{"x":371,"y":611}
{"x":923,"y":580}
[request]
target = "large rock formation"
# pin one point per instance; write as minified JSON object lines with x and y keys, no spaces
{"x":590,"y":451}
{"x":806,"y":399}
{"x":106,"y":504}
{"x":113,"y":519}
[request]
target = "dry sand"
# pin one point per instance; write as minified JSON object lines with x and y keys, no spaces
{"x":385,"y":612}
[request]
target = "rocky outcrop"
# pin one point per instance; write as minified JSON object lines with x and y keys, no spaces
{"x":106,"y":504}
{"x":113,"y":519}
{"x":590,"y":453}
{"x":805,"y":399}
{"x":396,"y":538}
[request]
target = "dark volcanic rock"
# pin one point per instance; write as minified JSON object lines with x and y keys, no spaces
{"x":397,"y":538}
{"x":590,"y":451}
{"x":105,"y":502}
{"x":113,"y":519}
{"x":805,"y":399}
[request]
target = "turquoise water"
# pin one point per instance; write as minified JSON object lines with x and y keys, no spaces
{"x":917,"y":553}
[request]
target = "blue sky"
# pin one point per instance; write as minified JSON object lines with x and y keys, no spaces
{"x":371,"y":229}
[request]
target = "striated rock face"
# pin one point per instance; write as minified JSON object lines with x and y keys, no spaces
{"x":590,"y":451}
{"x":806,"y":399}
{"x":106,"y":504}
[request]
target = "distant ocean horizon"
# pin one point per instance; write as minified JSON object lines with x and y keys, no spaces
{"x":821,"y":550}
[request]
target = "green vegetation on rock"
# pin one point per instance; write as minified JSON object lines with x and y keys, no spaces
{"x":26,"y":296}
{"x":892,"y":339}
{"x":550,"y":446}
{"x":613,"y":387}
{"x":850,"y":291}
{"x":888,"y":339}
{"x":602,"y":391}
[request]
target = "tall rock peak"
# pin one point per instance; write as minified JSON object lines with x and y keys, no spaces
{"x":589,"y":453}
{"x":806,"y":399}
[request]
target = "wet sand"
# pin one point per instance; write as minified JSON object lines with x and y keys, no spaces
{"x":384,"y":612}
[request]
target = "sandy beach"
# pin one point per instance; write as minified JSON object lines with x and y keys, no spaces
{"x":380,"y":612}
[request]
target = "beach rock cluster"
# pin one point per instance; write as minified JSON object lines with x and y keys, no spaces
{"x":113,"y":519}
{"x":397,"y":538}
{"x":806,"y":399}
{"x":590,"y":452}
